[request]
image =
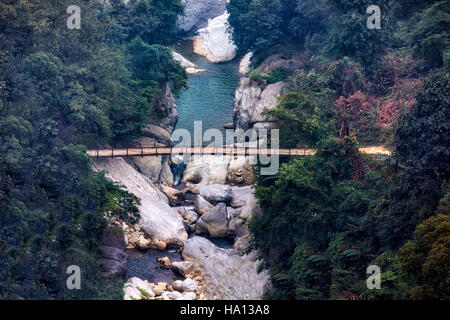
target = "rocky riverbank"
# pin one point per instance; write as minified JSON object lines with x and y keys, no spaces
{"x":253,"y":98}
{"x":219,"y":210}
{"x":215,"y":198}
{"x":213,"y":203}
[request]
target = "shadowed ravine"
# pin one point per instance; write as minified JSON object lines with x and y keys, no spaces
{"x":209,"y":99}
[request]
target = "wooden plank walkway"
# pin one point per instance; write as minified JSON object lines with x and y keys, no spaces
{"x":237,"y":151}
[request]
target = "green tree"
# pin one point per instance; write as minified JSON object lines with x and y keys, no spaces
{"x":256,"y":23}
{"x":426,"y":258}
{"x":154,"y":21}
{"x":432,"y":36}
{"x":62,"y":90}
{"x":422,"y":144}
{"x":304,"y":114}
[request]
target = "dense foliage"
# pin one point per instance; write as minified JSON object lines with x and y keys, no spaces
{"x":328,"y":217}
{"x":426,"y":258}
{"x":62,"y":90}
{"x":339,"y":26}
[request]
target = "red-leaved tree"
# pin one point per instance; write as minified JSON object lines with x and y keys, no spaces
{"x":350,"y":111}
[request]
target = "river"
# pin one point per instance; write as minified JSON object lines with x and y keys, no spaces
{"x":209,"y":99}
{"x":210,"y":95}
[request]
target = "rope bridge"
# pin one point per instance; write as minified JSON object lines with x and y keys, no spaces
{"x":235,"y":151}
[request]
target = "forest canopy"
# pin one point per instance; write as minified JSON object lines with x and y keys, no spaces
{"x":325,"y":218}
{"x":328,"y":217}
{"x":63,"y":90}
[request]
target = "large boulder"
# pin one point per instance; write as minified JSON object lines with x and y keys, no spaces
{"x":246,"y":207}
{"x":189,"y":66}
{"x":214,"y":41}
{"x":205,"y":170}
{"x":291,"y":63}
{"x":137,"y":289}
{"x":183,"y":267}
{"x":198,"y":12}
{"x":188,"y":214}
{"x":202,"y":205}
{"x":164,"y":110}
{"x":156,"y":168}
{"x":215,"y":193}
{"x":189,"y":285}
{"x":158,"y":221}
{"x":251,"y":101}
{"x":158,"y":133}
{"x":227,"y":275}
{"x":244,"y":64}
{"x":217,"y":222}
{"x":244,"y":198}
{"x":130,"y":292}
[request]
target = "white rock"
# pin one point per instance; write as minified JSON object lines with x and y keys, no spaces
{"x":247,"y":207}
{"x":178,"y":285}
{"x":202,"y":205}
{"x":135,"y":287}
{"x":158,"y":220}
{"x":231,"y":212}
{"x":188,"y":214}
{"x":205,"y":170}
{"x":183,"y":267}
{"x":244,"y":64}
{"x":244,"y":198}
{"x":130,"y":292}
{"x":142,"y":284}
{"x":217,"y":222}
{"x":172,"y":295}
{"x":215,"y":193}
{"x":190,"y":67}
{"x":189,"y":285}
{"x":197,"y":12}
{"x":159,"y":288}
{"x":228,"y":275}
{"x":189,"y":296}
{"x":214,"y":42}
{"x":194,"y":70}
{"x":251,"y":102}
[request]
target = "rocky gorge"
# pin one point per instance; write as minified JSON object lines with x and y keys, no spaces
{"x":195,"y":222}
{"x":219,"y":211}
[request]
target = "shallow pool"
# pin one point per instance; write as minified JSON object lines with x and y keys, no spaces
{"x":210,"y":95}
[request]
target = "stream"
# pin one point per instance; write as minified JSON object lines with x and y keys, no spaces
{"x":209,"y":98}
{"x":145,"y":266}
{"x":210,"y":95}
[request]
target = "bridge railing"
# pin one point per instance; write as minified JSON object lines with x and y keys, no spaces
{"x":225,"y":150}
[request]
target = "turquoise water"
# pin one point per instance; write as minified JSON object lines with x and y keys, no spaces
{"x":210,"y":94}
